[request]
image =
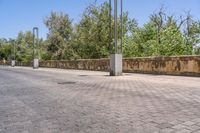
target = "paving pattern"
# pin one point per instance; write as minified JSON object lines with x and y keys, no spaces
{"x":69,"y":101}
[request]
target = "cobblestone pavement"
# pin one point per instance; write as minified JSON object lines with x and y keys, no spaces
{"x":69,"y":101}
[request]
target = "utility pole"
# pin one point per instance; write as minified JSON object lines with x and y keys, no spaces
{"x":116,"y":49}
{"x":35,"y":52}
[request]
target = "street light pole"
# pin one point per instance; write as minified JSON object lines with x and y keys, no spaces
{"x":35,"y":54}
{"x":110,"y":21}
{"x":116,"y":52}
{"x":13,"y":58}
{"x":14,"y":51}
{"x":121,"y":26}
{"x":116,"y":26}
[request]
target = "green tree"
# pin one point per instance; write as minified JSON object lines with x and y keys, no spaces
{"x":59,"y":36}
{"x":24,"y":46}
{"x":163,"y":35}
{"x":6,"y":49}
{"x":93,"y":31}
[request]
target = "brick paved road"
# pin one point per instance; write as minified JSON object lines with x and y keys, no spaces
{"x":67,"y":101}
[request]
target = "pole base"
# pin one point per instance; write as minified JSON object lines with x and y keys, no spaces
{"x":13,"y":63}
{"x":35,"y":63}
{"x":116,"y":65}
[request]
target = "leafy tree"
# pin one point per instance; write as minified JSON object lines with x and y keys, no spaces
{"x":161,"y":35}
{"x":93,"y":31}
{"x":6,"y":49}
{"x":59,"y":37}
{"x":24,"y":47}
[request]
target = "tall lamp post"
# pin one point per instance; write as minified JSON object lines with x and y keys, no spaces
{"x":116,"y":47}
{"x":13,"y":59}
{"x":35,"y":52}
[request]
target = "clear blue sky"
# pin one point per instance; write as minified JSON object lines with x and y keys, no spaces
{"x":22,"y":15}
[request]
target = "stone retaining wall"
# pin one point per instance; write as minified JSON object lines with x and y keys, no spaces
{"x":182,"y":65}
{"x":95,"y":65}
{"x":4,"y":63}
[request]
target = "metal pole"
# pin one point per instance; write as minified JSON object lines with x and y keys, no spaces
{"x":110,"y":24}
{"x":116,"y":26}
{"x":121,"y":25}
{"x":14,"y":51}
{"x":13,"y":54}
{"x":35,"y":59}
{"x":116,"y":56}
{"x":35,"y":36}
{"x":33,"y":43}
{"x":37,"y":33}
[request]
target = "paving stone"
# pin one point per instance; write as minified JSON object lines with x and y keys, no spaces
{"x":34,"y":101}
{"x":167,"y":130}
{"x":183,"y":131}
{"x":193,"y":127}
{"x":189,"y":123}
{"x":197,"y":120}
{"x":164,"y":125}
{"x":179,"y":126}
{"x":198,"y":131}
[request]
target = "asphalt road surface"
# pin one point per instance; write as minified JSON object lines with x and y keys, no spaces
{"x":69,"y":101}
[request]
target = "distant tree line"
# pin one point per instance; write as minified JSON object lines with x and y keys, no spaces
{"x":162,"y":35}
